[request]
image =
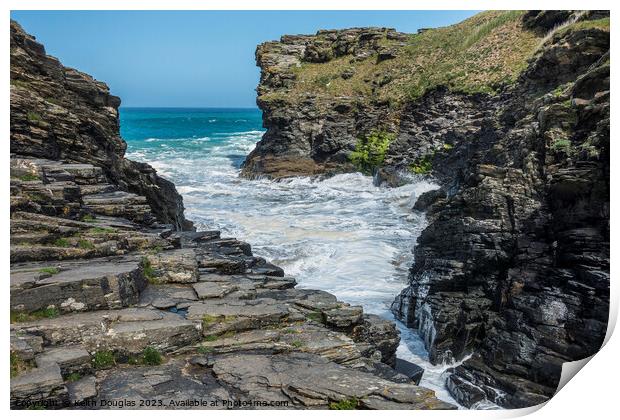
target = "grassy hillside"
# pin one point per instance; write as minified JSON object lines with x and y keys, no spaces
{"x":473,"y":56}
{"x":476,"y":55}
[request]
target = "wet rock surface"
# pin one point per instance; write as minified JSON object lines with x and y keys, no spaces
{"x":514,"y":264}
{"x":512,"y":269}
{"x":99,"y":358}
{"x":113,"y":306}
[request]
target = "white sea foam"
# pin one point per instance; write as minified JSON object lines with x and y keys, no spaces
{"x":343,"y":234}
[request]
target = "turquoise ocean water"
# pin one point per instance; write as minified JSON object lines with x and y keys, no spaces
{"x":343,"y":234}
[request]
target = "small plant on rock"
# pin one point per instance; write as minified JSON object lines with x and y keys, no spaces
{"x":228,"y":334}
{"x":422,"y":166}
{"x":97,"y":230}
{"x":49,"y":270}
{"x":18,"y":365}
{"x":103,"y":359}
{"x":349,"y":404}
{"x":149,"y":271}
{"x":29,"y":177}
{"x":204,"y":350}
{"x":62,"y":243}
{"x":33,"y":116}
{"x":151,"y":356}
{"x":85,"y":244}
{"x":315,"y":316}
{"x":88,"y":218}
{"x":370,"y":151}
{"x":208,"y":320}
{"x":562,"y":145}
{"x":73,"y":377}
{"x":297,"y":343}
{"x":17,"y":316}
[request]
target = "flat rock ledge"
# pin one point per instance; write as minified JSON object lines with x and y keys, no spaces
{"x":113,"y":305}
{"x":122,"y":312}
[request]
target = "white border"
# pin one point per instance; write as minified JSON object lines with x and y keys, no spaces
{"x":591,"y":396}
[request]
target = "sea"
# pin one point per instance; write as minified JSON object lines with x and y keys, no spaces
{"x":343,"y":234}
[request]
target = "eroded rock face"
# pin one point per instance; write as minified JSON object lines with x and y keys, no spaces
{"x":514,"y":264}
{"x":83,"y":355}
{"x":314,"y":135}
{"x":59,"y":113}
{"x":112,"y":305}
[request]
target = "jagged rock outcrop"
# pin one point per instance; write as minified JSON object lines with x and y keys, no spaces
{"x":321,"y":94}
{"x":112,"y":306}
{"x":316,"y":134}
{"x":59,"y":113}
{"x":513,"y":267}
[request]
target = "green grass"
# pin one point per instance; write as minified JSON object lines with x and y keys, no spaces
{"x":85,"y":244}
{"x":370,"y":151}
{"x":73,"y":377}
{"x":133,"y":360}
{"x":149,"y":271}
{"x":208,"y":320}
{"x":422,"y":166}
{"x":103,"y":359}
{"x":478,"y":55}
{"x":215,"y":337}
{"x":591,"y":151}
{"x":602,"y":24}
{"x":99,"y":230}
{"x":228,"y":334}
{"x":349,"y":404}
{"x":29,"y":177}
{"x":49,"y":270}
{"x":18,"y":365}
{"x":62,"y":242}
{"x":155,"y":250}
{"x":33,"y":117}
{"x":315,"y":316}
{"x":88,"y":218}
{"x":485,"y":29}
{"x":204,"y":350}
{"x":18,"y":316}
{"x":151,"y":356}
{"x":562,"y":145}
{"x":20,"y":84}
{"x":297,"y":343}
{"x":37,"y":196}
{"x":53,"y":101}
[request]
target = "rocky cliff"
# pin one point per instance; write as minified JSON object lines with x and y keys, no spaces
{"x":114,"y":306}
{"x":509,"y":112}
{"x":59,"y":113}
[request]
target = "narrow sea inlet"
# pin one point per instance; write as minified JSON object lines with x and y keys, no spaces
{"x":341,"y":234}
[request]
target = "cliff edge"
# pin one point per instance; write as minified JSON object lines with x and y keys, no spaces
{"x":59,"y":113}
{"x":115,"y":303}
{"x":509,"y":113}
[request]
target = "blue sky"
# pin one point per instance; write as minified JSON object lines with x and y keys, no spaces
{"x":191,"y":58}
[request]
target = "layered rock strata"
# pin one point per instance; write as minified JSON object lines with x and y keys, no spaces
{"x":512,"y":272}
{"x":61,"y":114}
{"x":112,"y":306}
